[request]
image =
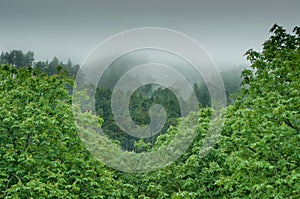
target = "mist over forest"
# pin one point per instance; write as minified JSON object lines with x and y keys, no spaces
{"x":149,"y":99}
{"x":256,"y":154}
{"x":144,"y":97}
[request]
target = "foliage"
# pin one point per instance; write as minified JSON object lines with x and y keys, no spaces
{"x":257,"y":155}
{"x":17,"y":58}
{"x":263,"y":125}
{"x":139,"y":106}
{"x":41,"y":154}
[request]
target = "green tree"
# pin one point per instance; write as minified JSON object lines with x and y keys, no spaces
{"x":257,"y":155}
{"x":28,"y":58}
{"x":41,"y":153}
{"x":263,"y":125}
{"x":52,"y":67}
{"x":41,"y":66}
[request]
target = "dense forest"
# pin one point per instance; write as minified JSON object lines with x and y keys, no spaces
{"x":257,"y":154}
{"x":140,"y":102}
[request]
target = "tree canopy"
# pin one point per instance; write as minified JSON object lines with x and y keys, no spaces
{"x":257,"y":154}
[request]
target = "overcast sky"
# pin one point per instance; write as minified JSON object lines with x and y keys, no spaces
{"x":71,"y":28}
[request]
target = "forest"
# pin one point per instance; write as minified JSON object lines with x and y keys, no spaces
{"x":257,"y":154}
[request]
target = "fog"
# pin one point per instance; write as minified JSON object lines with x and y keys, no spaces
{"x":71,"y":29}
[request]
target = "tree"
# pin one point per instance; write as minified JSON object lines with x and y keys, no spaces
{"x":52,"y":67}
{"x":28,"y":59}
{"x":257,"y":155}
{"x":17,"y":58}
{"x":41,"y":66}
{"x":41,"y":153}
{"x":263,"y":124}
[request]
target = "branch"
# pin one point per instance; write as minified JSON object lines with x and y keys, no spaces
{"x":252,"y":149}
{"x":7,"y":184}
{"x":290,"y":124}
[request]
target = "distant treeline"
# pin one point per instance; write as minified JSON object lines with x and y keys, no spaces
{"x":231,"y":76}
{"x":20,"y":59}
{"x":140,"y":102}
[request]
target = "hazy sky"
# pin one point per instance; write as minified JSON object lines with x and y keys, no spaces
{"x":71,"y":28}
